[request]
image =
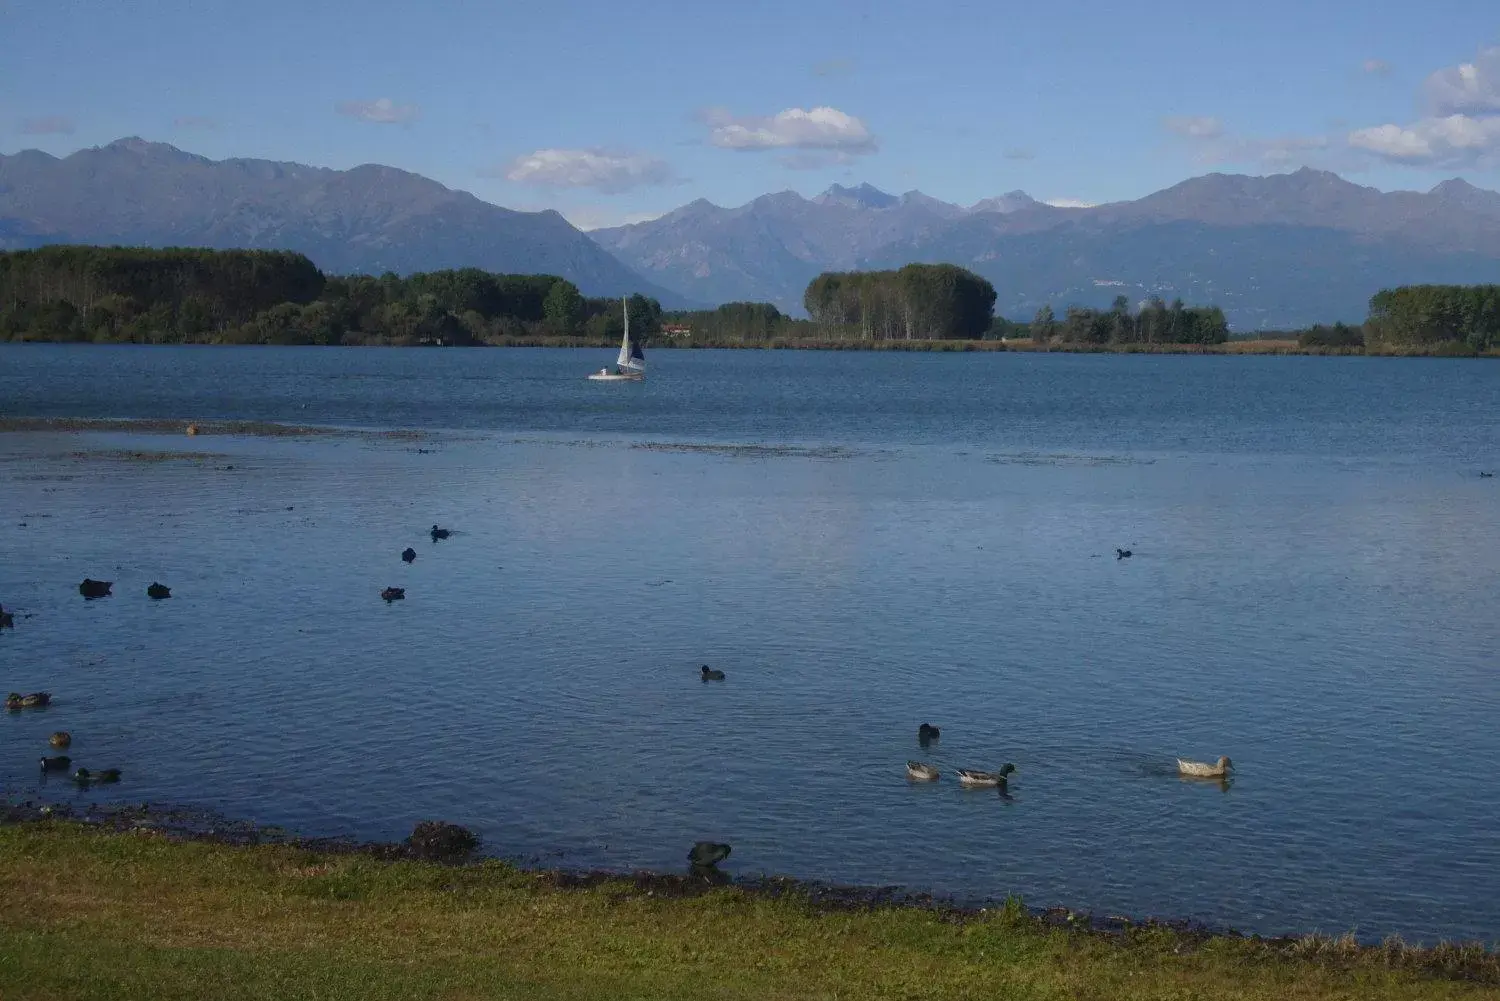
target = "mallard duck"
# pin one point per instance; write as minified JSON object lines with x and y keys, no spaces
{"x":94,"y":588}
{"x":708,"y":853}
{"x":158,"y":591}
{"x":57,"y":763}
{"x":408,"y":554}
{"x":36,"y":700}
{"x":969,"y":777}
{"x":709,"y":674}
{"x":1486,"y":476}
{"x":1202,"y":770}
{"x":61,"y":738}
{"x":439,"y":533}
{"x":7,"y":620}
{"x":921,"y":772}
{"x":928,"y":732}
{"x":393,"y":593}
{"x":85,"y":777}
{"x":1122,"y":554}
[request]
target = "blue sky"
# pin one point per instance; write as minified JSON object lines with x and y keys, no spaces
{"x":611,"y":111}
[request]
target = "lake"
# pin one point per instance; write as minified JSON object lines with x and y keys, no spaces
{"x":862,"y":542}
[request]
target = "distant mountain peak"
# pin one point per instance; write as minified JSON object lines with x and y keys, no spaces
{"x":864,"y":195}
{"x":1011,"y":201}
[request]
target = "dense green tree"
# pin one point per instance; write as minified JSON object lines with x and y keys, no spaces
{"x":562,"y":310}
{"x":1466,"y":316}
{"x":920,"y":301}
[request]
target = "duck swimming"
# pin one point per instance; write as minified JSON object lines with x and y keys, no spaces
{"x":57,"y":763}
{"x":61,"y":738}
{"x":158,"y":591}
{"x":969,"y":777}
{"x":36,"y":700}
{"x":393,"y":594}
{"x":85,"y":777}
{"x":921,"y":772}
{"x":708,"y":853}
{"x":7,"y":620}
{"x":1202,"y":770}
{"x":709,"y":674}
{"x":1122,"y":554}
{"x":95,"y":588}
{"x":408,"y":554}
{"x":928,"y":732}
{"x":439,"y":533}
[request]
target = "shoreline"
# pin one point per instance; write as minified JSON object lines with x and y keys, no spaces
{"x":1461,"y":961}
{"x":1259,"y":348}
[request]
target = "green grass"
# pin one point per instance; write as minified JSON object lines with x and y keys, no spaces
{"x":90,"y":914}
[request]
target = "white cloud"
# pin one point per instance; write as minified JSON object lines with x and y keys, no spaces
{"x":1462,"y":128}
{"x":382,"y":111}
{"x":1194,"y":126}
{"x":821,"y":128}
{"x":1468,"y":88}
{"x":1376,"y":67}
{"x":50,"y":125}
{"x":609,"y":171}
{"x":1449,"y":141}
{"x":1069,"y":203}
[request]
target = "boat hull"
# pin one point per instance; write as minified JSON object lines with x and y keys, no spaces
{"x":611,"y":377}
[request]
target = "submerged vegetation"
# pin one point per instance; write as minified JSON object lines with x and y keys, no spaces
{"x":89,"y":913}
{"x":128,"y":295}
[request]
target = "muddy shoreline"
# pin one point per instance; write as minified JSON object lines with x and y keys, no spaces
{"x":1462,"y":961}
{"x":148,"y":425}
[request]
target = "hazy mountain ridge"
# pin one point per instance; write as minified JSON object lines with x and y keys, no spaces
{"x":368,"y":219}
{"x":1274,"y":251}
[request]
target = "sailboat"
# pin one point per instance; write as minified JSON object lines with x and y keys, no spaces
{"x":631,"y":365}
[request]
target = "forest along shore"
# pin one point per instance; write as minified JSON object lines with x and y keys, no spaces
{"x":180,"y":296}
{"x":128,"y":911}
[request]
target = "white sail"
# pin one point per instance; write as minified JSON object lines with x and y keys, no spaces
{"x":632,"y":358}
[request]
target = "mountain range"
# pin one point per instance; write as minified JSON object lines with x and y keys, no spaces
{"x":1278,"y":251}
{"x":369,"y":219}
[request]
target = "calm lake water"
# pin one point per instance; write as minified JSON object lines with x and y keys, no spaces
{"x":1313,"y":593}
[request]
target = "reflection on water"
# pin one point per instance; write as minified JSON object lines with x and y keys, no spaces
{"x":1327,"y":623}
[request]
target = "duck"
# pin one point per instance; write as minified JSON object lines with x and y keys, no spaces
{"x":1203,"y":770}
{"x":192,"y":429}
{"x":1122,"y":554}
{"x":36,"y":700}
{"x":921,"y":772}
{"x":85,"y":777}
{"x":970,"y":777}
{"x":91,"y":588}
{"x":57,"y":763}
{"x":393,"y":593}
{"x":408,"y":554}
{"x":928,"y":732}
{"x":1486,"y":476}
{"x":708,"y":853}
{"x":709,"y":674}
{"x":61,"y":738}
{"x":7,"y":620}
{"x":158,"y":591}
{"x":439,"y":533}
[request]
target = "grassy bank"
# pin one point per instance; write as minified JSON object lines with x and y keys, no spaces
{"x":91,"y":914}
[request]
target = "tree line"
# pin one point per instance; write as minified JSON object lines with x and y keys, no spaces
{"x":78,"y":293}
{"x":114,"y":294}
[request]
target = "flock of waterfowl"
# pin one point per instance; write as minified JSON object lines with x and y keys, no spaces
{"x":408,"y":555}
{"x":61,"y":740}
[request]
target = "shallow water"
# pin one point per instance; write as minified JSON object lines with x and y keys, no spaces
{"x":915,"y":537}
